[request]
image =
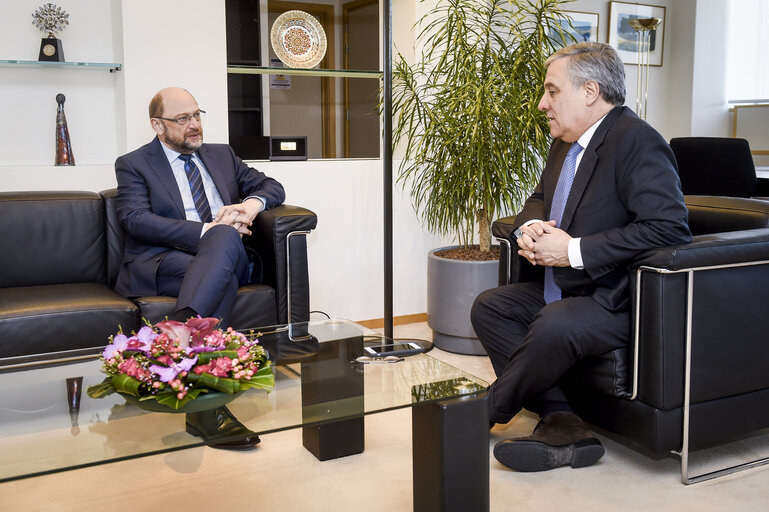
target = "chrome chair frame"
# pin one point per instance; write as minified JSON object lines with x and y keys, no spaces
{"x":684,"y":452}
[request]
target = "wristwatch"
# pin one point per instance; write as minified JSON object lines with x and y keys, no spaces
{"x":517,"y":233}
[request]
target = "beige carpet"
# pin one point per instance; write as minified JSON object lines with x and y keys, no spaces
{"x":282,"y":476}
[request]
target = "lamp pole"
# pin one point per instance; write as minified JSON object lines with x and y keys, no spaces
{"x":387,"y":165}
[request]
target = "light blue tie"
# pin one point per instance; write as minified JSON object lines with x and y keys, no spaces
{"x":196,"y":187}
{"x":561,"y":195}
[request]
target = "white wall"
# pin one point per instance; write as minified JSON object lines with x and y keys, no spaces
{"x":174,"y":43}
{"x":28,"y":95}
{"x":346,"y":249}
{"x":709,"y":108}
{"x":107,"y":115}
{"x":679,"y":48}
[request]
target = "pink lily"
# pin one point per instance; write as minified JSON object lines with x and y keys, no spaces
{"x":176,"y":331}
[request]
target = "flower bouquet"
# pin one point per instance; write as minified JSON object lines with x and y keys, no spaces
{"x":173,"y":363}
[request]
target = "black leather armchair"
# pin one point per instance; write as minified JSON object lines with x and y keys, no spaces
{"x":61,"y":258}
{"x":696,"y":373}
{"x":718,"y":166}
{"x":285,"y":284}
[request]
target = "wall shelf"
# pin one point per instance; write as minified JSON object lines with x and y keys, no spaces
{"x":263,"y":70}
{"x":111,"y":66}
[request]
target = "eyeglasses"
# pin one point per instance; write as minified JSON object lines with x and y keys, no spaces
{"x":182,"y":120}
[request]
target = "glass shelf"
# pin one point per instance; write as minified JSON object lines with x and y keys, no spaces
{"x":263,"y":70}
{"x":111,"y":66}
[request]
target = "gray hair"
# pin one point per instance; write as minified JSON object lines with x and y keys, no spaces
{"x":598,"y":62}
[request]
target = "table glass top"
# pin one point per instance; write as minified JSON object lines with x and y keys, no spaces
{"x":318,"y":379}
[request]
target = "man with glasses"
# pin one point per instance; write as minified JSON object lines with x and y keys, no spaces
{"x":184,"y":207}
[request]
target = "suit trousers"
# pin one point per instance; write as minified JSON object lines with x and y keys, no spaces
{"x":532,"y":345}
{"x":207,"y":281}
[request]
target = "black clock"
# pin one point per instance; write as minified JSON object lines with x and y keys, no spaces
{"x":50,"y":50}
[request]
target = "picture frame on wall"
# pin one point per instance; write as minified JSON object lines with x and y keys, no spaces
{"x":624,"y":38}
{"x":583,"y":27}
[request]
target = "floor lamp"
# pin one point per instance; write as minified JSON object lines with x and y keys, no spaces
{"x":644,"y":27}
{"x":387,"y":173}
{"x":387,"y":163}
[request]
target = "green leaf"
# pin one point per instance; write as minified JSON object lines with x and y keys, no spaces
{"x":125,"y":384}
{"x":262,"y":379}
{"x":171,"y":400}
{"x":206,"y":357}
{"x":101,"y":389}
{"x":206,"y":380}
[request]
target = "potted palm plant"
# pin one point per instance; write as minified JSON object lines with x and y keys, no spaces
{"x":473,"y":139}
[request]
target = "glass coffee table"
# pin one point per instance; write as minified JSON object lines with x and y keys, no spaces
{"x":325,"y":383}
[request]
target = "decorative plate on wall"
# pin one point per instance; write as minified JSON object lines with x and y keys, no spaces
{"x":298,"y":39}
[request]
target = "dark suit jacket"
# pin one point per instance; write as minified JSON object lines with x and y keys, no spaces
{"x":626,"y":199}
{"x":151,"y":212}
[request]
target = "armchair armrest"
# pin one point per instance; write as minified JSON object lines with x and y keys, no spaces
{"x":503,"y":228}
{"x":278,"y":238}
{"x":709,"y":295}
{"x":512,"y":267}
{"x":728,"y":248}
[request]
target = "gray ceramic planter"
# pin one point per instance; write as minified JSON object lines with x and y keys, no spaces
{"x":452,"y":286}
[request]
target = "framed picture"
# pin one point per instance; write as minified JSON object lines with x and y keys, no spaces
{"x":624,"y":38}
{"x":583,"y":27}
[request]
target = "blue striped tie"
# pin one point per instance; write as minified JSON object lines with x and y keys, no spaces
{"x":561,"y":195}
{"x":196,"y":187}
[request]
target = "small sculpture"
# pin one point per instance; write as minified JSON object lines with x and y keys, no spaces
{"x":50,"y":19}
{"x":74,"y":390}
{"x":64,"y":154}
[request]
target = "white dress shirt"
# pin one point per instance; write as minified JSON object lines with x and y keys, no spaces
{"x":575,"y":252}
{"x":212,"y":194}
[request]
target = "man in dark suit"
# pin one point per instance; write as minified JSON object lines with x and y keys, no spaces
{"x":184,"y":207}
{"x":608,"y":192}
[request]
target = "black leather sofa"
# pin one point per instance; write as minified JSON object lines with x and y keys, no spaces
{"x":713,"y":292}
{"x":61,"y":258}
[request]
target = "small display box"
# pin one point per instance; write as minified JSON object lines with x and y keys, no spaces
{"x":283,"y":148}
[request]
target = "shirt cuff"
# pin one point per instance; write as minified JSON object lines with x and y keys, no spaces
{"x":575,"y":254}
{"x":517,"y":233}
{"x":263,"y":200}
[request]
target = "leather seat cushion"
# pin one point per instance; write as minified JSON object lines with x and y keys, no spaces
{"x":254,"y":307}
{"x":48,"y":318}
{"x":609,"y":373}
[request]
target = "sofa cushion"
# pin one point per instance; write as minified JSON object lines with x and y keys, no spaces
{"x":52,"y":238}
{"x":40,"y":319}
{"x":254,"y":307}
{"x":717,"y":214}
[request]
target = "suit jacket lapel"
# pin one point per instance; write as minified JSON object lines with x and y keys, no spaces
{"x":158,"y":162}
{"x":586,"y":167}
{"x":214,"y":168}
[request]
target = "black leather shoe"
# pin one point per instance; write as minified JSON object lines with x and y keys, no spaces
{"x":559,"y":439}
{"x":220,"y":429}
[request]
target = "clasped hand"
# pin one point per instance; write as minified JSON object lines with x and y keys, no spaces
{"x":240,"y":216}
{"x":544,"y":244}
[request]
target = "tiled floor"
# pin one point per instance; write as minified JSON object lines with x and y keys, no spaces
{"x":282,"y":476}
